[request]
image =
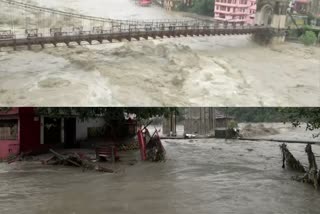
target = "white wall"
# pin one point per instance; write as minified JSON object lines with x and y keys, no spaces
{"x":82,"y":127}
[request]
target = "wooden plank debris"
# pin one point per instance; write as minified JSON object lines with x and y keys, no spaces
{"x":75,"y":160}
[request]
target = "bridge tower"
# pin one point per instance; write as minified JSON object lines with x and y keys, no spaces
{"x":273,"y":13}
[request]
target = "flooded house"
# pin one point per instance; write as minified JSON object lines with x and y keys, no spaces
{"x":28,"y":131}
{"x":199,"y":121}
{"x":9,"y":132}
{"x":202,"y":122}
{"x":224,"y":125}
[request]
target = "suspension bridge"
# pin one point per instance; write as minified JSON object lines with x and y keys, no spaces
{"x":38,"y":32}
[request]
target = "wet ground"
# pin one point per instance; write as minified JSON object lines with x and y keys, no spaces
{"x":205,"y":71}
{"x":200,"y":176}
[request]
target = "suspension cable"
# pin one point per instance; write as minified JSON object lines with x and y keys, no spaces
{"x":93,"y":18}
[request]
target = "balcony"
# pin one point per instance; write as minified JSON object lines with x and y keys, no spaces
{"x":232,"y":12}
{"x":237,"y":5}
{"x":229,"y":19}
{"x":224,"y":11}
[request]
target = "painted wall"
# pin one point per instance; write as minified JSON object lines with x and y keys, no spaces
{"x":82,"y":127}
{"x":30,"y":133}
{"x":9,"y":147}
{"x":11,"y":111}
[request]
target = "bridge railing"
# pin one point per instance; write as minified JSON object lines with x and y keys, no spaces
{"x":155,"y":23}
{"x":7,"y":35}
{"x":134,"y":31}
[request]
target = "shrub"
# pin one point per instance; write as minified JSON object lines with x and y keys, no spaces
{"x":232,"y":124}
{"x":308,"y":38}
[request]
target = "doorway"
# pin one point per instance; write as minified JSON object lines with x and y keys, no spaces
{"x":52,"y":131}
{"x":70,"y":133}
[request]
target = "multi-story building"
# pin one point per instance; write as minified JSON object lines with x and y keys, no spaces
{"x":302,"y":6}
{"x":235,"y":11}
{"x":315,"y":8}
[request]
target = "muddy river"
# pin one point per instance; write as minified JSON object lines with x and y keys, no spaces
{"x":200,"y":176}
{"x":216,"y":71}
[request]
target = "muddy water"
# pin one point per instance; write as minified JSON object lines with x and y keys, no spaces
{"x":222,"y":70}
{"x":200,"y":176}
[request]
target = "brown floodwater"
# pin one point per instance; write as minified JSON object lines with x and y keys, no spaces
{"x":192,"y":71}
{"x":200,"y":176}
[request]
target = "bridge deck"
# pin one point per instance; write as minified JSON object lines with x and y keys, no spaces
{"x":78,"y":37}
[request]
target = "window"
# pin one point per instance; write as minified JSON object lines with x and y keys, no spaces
{"x":8,"y":129}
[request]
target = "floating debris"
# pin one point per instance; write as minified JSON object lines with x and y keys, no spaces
{"x":155,"y":150}
{"x":76,"y":160}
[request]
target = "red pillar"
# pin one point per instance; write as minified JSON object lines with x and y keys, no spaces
{"x":142,"y":144}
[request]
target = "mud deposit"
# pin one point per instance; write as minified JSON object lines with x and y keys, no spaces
{"x":200,"y":176}
{"x":216,"y":71}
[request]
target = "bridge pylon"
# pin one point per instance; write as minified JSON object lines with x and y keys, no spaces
{"x":272,"y":13}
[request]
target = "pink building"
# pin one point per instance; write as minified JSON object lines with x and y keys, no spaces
{"x":301,"y":6}
{"x":235,"y":11}
{"x":9,"y":133}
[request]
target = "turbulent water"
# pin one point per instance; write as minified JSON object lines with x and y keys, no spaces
{"x":200,"y":176}
{"x":221,"y":70}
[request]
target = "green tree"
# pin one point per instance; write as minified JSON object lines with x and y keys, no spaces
{"x":108,"y":112}
{"x":310,"y":117}
{"x":308,"y":38}
{"x":255,"y":114}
